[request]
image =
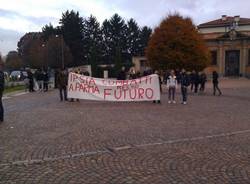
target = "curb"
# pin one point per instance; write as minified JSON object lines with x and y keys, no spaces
{"x":14,"y":94}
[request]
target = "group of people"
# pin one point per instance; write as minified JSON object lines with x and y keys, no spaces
{"x":172,"y":83}
{"x":173,"y":80}
{"x":196,"y":80}
{"x":38,"y":80}
{"x":41,"y":77}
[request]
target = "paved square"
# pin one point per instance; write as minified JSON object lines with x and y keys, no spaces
{"x":207,"y":141}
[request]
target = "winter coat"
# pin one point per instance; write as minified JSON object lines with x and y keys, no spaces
{"x":172,"y":81}
{"x":215,"y":78}
{"x":121,"y":75}
{"x":184,"y":80}
{"x":62,"y":80}
{"x":203,"y":78}
{"x":196,"y":78}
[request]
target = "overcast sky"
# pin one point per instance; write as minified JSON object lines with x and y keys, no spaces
{"x":20,"y":16}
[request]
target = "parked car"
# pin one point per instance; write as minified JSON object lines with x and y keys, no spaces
{"x":18,"y":75}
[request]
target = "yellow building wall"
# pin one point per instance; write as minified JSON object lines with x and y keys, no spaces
{"x":209,"y":70}
{"x":248,"y":71}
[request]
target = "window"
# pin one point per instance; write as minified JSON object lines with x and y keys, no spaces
{"x":213,"y":57}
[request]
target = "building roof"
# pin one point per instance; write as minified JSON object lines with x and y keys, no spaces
{"x":227,"y":21}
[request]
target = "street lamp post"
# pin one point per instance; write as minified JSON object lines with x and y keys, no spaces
{"x":46,"y":58}
{"x":61,"y":37}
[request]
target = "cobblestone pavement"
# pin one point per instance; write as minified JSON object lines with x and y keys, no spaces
{"x":207,"y":141}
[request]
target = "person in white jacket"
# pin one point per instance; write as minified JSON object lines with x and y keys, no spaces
{"x":172,"y":85}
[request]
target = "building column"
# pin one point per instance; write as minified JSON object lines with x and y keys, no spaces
{"x":244,"y":58}
{"x":221,"y":63}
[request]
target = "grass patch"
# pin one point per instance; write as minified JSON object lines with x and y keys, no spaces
{"x":13,"y":89}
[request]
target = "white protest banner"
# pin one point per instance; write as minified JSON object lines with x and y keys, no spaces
{"x":85,"y":87}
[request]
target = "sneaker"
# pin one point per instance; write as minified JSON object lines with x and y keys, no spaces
{"x":169,"y":102}
{"x":184,"y":103}
{"x":174,"y":102}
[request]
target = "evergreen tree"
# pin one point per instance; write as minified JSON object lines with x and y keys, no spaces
{"x":48,"y":30}
{"x":144,"y":37}
{"x":72,"y":30}
{"x":133,"y":38}
{"x":114,"y":43}
{"x":93,"y":43}
{"x":107,"y":42}
{"x":114,"y":33}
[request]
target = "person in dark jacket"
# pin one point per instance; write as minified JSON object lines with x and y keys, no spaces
{"x":196,"y":81}
{"x":185,"y":82}
{"x":62,"y":82}
{"x":203,"y":79}
{"x":31,"y":81}
{"x":122,"y":74}
{"x":192,"y":80}
{"x":178,"y":75}
{"x":1,"y":92}
{"x":86,"y":73}
{"x":45,"y":81}
{"x":216,"y":83}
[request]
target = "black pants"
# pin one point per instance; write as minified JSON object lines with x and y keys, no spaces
{"x":196,"y":86}
{"x":184,"y":93}
{"x":202,"y":88}
{"x":1,"y":107}
{"x":45,"y":86}
{"x":31,"y":86}
{"x":216,"y":87}
{"x":63,"y":93}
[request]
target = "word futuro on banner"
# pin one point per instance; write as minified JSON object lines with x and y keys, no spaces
{"x":85,"y":87}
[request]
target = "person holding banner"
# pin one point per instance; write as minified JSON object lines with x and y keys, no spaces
{"x":62,"y":81}
{"x":122,"y":74}
{"x":185,"y":82}
{"x":160,"y":83}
